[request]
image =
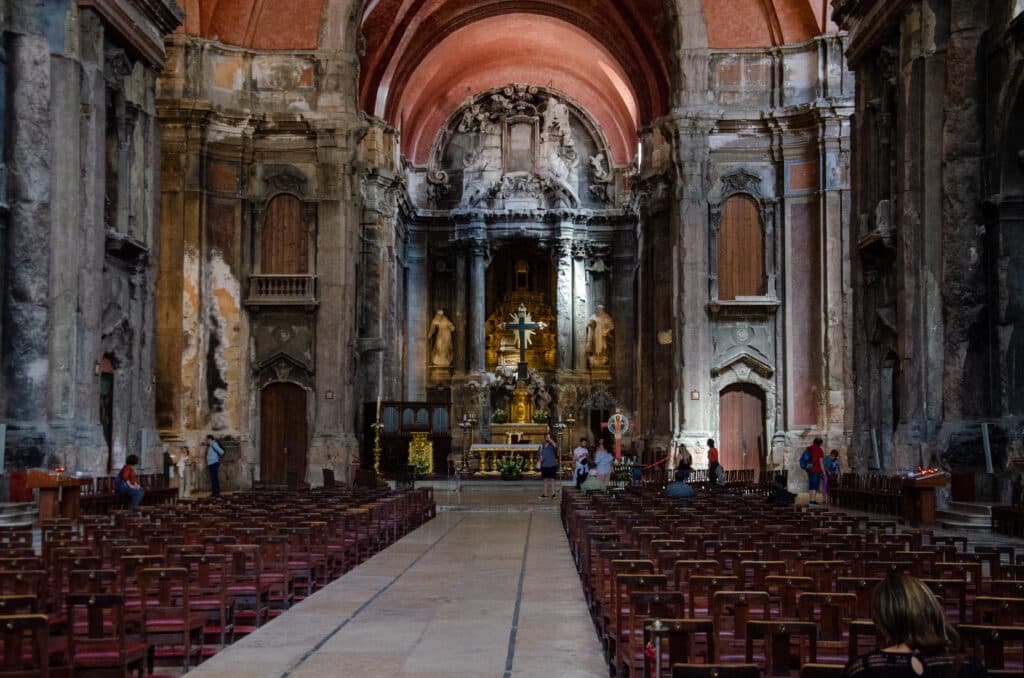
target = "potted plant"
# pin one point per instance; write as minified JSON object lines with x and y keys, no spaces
{"x":499,"y":416}
{"x":540,"y":417}
{"x":511,"y":467}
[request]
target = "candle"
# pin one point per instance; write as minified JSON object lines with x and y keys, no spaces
{"x":378,"y":407}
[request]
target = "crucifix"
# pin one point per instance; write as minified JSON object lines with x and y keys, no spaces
{"x":524,"y":328}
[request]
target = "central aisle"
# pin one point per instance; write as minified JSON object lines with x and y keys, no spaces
{"x":474,"y":592}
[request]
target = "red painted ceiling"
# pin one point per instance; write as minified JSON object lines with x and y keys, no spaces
{"x":422,"y":57}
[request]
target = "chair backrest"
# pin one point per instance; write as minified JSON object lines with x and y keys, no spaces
{"x":986,"y":643}
{"x":329,"y":481}
{"x":678,"y":635}
{"x":93,"y":581}
{"x":19,"y":604}
{"x":778,"y":642}
{"x":741,"y":604}
{"x":95,"y":619}
{"x":828,"y":609}
{"x":998,"y":610}
{"x":15,"y":630}
{"x":716,"y":671}
{"x":822,"y":671}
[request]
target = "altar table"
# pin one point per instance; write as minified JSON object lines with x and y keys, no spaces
{"x":489,"y":454}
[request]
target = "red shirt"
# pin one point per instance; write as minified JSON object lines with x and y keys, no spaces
{"x":713,"y":455}
{"x":817,"y":454}
{"x":128,"y":474}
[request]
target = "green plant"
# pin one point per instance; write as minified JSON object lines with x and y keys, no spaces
{"x":540,"y":417}
{"x":422,"y":468}
{"x":511,"y":467}
{"x":499,"y":416}
{"x":622,"y":471}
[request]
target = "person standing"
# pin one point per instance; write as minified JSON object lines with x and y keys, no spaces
{"x":603,"y":460}
{"x":832,"y":468}
{"x":547,"y":458}
{"x":581,"y":456}
{"x":128,"y":481}
{"x":715,"y":472}
{"x":214,"y":452}
{"x":810,"y":461}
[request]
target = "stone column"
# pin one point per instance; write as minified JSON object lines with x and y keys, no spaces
{"x":581,"y":309}
{"x":417,"y":317}
{"x":460,"y":315}
{"x":476,"y":330}
{"x":334,"y":444}
{"x":691,"y":342}
{"x":27,"y":293}
{"x":565,"y":303}
{"x":477,"y":307}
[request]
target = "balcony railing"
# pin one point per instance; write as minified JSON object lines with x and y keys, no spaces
{"x":282,"y":290}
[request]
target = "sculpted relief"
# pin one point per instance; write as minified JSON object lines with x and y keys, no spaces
{"x":519,"y":147}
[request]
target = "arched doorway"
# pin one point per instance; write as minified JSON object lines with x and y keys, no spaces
{"x":742,"y":435}
{"x":283,"y":439}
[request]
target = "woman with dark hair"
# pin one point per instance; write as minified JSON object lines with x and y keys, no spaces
{"x":917,"y":639}
{"x":128,"y":481}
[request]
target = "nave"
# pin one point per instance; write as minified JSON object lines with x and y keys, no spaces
{"x":487,"y":589}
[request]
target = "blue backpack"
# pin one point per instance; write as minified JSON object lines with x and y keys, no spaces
{"x":806,"y":461}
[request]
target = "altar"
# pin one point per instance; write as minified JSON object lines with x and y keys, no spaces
{"x":489,"y":454}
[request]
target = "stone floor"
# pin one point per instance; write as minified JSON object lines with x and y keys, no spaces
{"x":488,"y":588}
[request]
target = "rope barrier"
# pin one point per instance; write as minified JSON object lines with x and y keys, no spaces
{"x":657,"y":463}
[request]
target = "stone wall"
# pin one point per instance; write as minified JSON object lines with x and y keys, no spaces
{"x":773,"y":126}
{"x":937,"y":181}
{"x":80,"y":231}
{"x":240,"y":128}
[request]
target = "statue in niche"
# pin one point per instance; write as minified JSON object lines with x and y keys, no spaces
{"x":440,"y":338}
{"x":599,"y":338}
{"x":556,"y":122}
{"x":600,"y":168}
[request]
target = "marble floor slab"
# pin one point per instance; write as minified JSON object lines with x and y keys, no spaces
{"x":473,"y":593}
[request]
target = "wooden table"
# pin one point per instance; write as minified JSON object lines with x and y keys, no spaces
{"x":919,"y":498}
{"x":59,"y":496}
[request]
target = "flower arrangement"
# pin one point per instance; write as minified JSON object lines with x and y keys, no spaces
{"x":421,"y":466}
{"x":622,"y":471}
{"x":540,"y":417}
{"x":499,"y":416}
{"x":511,"y":466}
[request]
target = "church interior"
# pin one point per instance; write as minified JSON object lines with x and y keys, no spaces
{"x":381,"y":249}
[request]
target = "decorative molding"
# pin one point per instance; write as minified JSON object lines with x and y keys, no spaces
{"x":141,"y":23}
{"x":285,"y":179}
{"x":743,"y":357}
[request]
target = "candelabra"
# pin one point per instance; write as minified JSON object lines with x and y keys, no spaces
{"x":377,"y":426}
{"x":560,"y":427}
{"x":467,"y":425}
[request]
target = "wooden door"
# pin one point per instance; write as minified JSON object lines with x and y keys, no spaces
{"x":741,"y":413}
{"x":285,"y":249}
{"x":740,"y":250}
{"x":283,"y":441}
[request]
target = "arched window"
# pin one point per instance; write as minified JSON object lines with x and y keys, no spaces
{"x":283,"y":241}
{"x":740,"y":250}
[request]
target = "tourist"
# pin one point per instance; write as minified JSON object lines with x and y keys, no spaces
{"x":214,"y":452}
{"x":582,"y":472}
{"x":832,"y":468}
{"x":917,"y":639}
{"x":680,"y":489}
{"x":603,"y":461}
{"x":128,"y":481}
{"x":581,"y":453}
{"x":593,"y":484}
{"x":684,"y":461}
{"x":547,"y":460}
{"x":716,"y":474}
{"x":810,"y":461}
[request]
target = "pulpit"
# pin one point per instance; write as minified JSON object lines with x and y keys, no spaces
{"x":919,"y":498}
{"x":59,"y":496}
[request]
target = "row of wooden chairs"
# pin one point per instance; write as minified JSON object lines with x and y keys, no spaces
{"x":874,"y":492}
{"x":635,"y":544}
{"x":179,"y":582}
{"x":100,"y":495}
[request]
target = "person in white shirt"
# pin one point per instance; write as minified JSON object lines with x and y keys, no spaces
{"x":581,"y":452}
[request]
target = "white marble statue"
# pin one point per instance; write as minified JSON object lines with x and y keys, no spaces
{"x":440,"y":338}
{"x":599,"y":336}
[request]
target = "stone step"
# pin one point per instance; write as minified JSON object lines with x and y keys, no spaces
{"x":18,"y":513}
{"x":957,"y":520}
{"x":971,"y":508}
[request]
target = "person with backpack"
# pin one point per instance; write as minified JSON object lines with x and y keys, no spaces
{"x":214,"y":452}
{"x":810,"y":461}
